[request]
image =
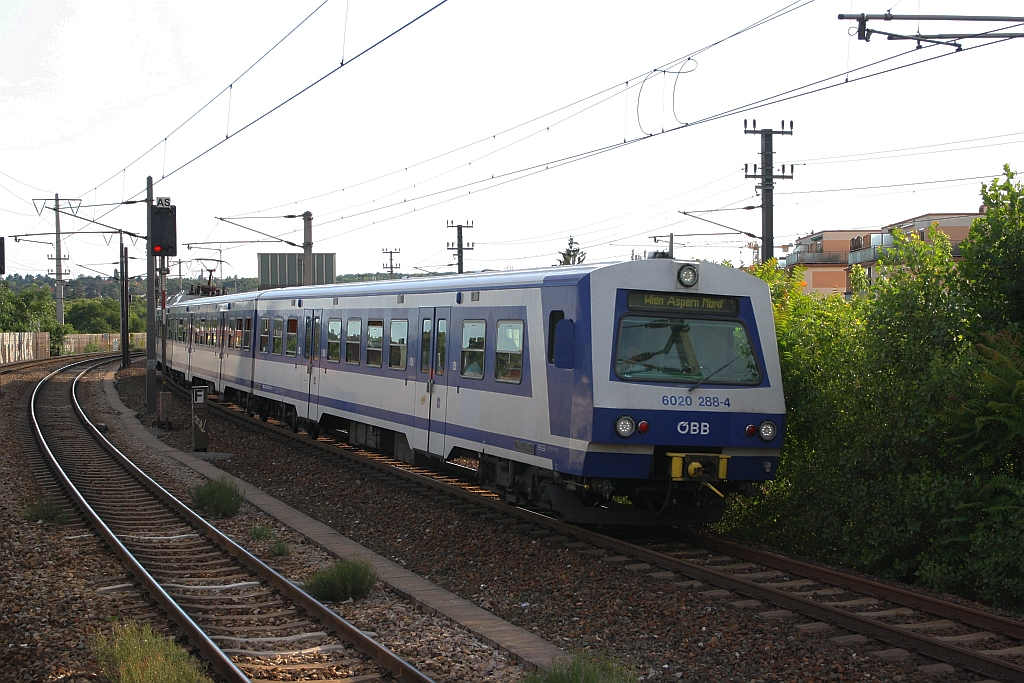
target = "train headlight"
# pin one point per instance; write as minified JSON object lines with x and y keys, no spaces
{"x":767,"y":430}
{"x":642,"y":426}
{"x":750,"y":430}
{"x":687,"y":275}
{"x":624,"y":426}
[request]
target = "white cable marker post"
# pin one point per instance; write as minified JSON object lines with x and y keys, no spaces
{"x":200,"y":435}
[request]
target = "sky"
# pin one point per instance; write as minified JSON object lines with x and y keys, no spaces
{"x":534,"y":121}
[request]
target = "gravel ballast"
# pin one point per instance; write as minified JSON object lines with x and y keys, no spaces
{"x":665,"y":630}
{"x":53,"y":593}
{"x":441,"y":649}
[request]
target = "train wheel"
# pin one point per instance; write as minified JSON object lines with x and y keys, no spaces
{"x":313,"y":429}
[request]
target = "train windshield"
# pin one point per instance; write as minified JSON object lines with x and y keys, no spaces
{"x":659,"y":348}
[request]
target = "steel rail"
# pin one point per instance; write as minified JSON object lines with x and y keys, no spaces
{"x":931,"y":647}
{"x":968,"y":615}
{"x":220,"y":661}
{"x":401,"y":669}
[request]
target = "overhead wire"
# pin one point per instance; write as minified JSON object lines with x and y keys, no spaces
{"x":894,"y":153}
{"x":794,"y":93}
{"x":226,"y":88}
{"x":880,"y":187}
{"x":615,"y":90}
{"x":292,"y":97}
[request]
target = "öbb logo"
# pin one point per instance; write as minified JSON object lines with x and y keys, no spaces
{"x":702,"y":428}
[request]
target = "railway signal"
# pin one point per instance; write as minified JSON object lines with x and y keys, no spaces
{"x":164,"y":240}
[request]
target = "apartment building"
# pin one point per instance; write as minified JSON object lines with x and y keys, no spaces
{"x":829,"y":254}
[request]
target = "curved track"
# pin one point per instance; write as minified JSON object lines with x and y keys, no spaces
{"x":244,"y":617}
{"x":941,"y":630}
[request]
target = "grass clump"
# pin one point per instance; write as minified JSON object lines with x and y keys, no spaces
{"x":279,"y":549}
{"x":584,"y":667}
{"x":261,"y":533}
{"x":221,"y":497}
{"x":45,"y":510}
{"x":342,"y":580}
{"x":135,"y":654}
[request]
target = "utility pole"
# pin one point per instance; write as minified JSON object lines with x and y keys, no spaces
{"x":767,"y":184}
{"x":125,"y":343}
{"x":151,"y":386}
{"x":163,"y":321}
{"x":307,"y":249}
{"x":459,"y":246}
{"x":58,"y":290}
{"x":391,"y":265}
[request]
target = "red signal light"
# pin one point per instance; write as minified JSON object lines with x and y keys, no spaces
{"x":157,"y":248}
{"x":751,"y":430}
{"x":642,"y":426}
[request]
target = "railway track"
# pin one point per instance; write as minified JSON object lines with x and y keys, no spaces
{"x":769,"y":586}
{"x":246,"y":619}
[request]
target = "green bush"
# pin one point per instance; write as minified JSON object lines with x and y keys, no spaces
{"x":583,"y":667}
{"x":903,"y":450}
{"x":342,"y":580}
{"x":45,"y":510}
{"x":261,"y":533}
{"x":279,"y":549}
{"x":92,"y":347}
{"x":134,"y":654}
{"x":221,"y":497}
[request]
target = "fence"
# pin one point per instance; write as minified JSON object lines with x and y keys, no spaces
{"x":18,"y":346}
{"x":85,"y":343}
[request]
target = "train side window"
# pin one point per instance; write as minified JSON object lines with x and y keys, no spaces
{"x":202,"y":332}
{"x":247,"y":334}
{"x":265,"y":335}
{"x":398,"y":346}
{"x":353,"y":337}
{"x":291,"y":337}
{"x":425,"y":334}
{"x":334,"y":340}
{"x":442,"y":342}
{"x":316,"y":336}
{"x":553,"y":319}
{"x":229,"y":332}
{"x":374,"y":343}
{"x":239,"y":334}
{"x":473,"y":335}
{"x":278,"y":343}
{"x":508,"y":361}
{"x":307,"y":341}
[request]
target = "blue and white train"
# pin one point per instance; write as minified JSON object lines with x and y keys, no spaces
{"x":637,"y":393}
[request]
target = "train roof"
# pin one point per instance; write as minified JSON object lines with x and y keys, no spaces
{"x":552,"y":275}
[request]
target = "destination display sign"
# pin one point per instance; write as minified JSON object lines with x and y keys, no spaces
{"x":665,"y":302}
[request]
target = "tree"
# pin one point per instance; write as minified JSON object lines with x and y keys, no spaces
{"x":993,"y":256}
{"x":572,"y":255}
{"x":94,"y":316}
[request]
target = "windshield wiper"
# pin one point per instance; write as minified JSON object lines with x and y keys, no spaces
{"x":705,"y":379}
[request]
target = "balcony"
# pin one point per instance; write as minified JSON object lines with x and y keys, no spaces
{"x":811,"y":257}
{"x":868,"y":255}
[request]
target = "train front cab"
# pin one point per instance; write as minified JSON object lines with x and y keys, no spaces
{"x":676,"y":394}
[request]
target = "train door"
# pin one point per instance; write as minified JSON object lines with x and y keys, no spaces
{"x":222,"y":332}
{"x":432,"y":381}
{"x":189,"y":344}
{"x":314,"y":355}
